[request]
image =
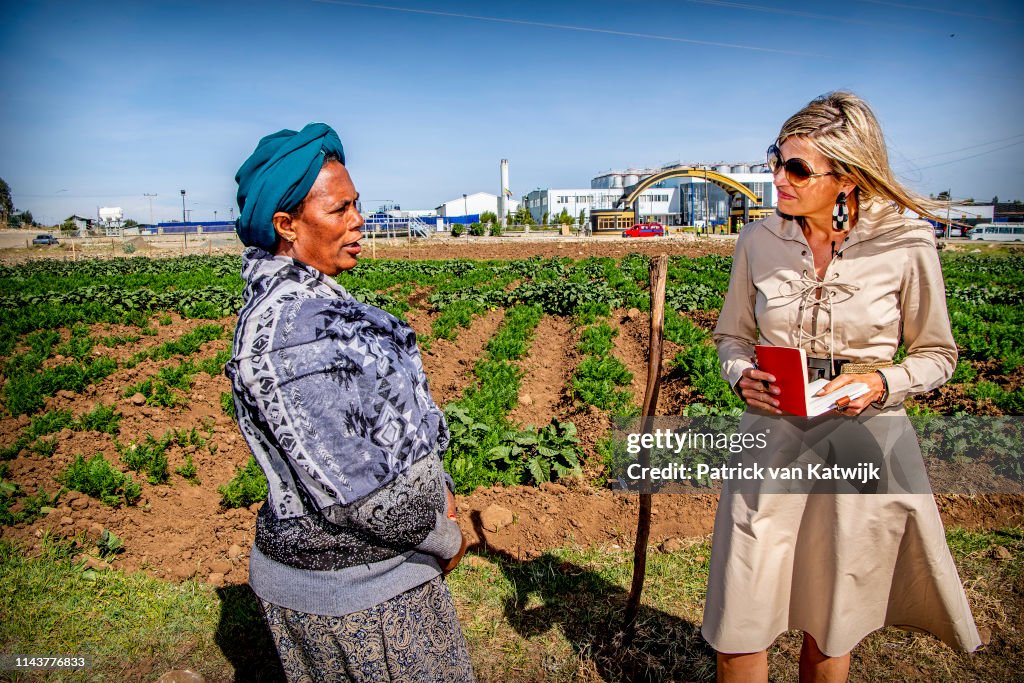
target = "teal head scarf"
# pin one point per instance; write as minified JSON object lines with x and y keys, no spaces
{"x":278,"y":176}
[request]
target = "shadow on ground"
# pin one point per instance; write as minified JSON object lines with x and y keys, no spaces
{"x":243,"y":637}
{"x":589,"y":610}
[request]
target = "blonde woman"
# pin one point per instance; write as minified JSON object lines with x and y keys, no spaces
{"x":841,"y":272}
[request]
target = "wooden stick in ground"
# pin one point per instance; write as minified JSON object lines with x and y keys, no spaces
{"x":659,"y":274}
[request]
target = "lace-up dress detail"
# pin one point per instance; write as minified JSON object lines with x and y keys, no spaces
{"x":818,"y":296}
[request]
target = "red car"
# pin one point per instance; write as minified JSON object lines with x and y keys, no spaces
{"x":645,"y":230}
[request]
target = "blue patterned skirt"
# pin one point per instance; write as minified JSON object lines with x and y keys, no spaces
{"x":414,"y":637}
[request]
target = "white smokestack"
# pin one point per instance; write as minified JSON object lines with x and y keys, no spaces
{"x":502,"y":193}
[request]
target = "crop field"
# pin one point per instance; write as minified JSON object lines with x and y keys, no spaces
{"x":122,"y":471}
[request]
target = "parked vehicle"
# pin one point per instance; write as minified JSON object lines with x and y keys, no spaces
{"x":45,"y":239}
{"x":998,"y":232}
{"x":954,"y":231}
{"x":645,"y":230}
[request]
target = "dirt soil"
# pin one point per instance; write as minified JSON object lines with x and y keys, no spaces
{"x":549,"y":246}
{"x":179,"y":530}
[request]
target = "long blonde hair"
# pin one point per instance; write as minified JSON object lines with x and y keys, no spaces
{"x":843,"y":128}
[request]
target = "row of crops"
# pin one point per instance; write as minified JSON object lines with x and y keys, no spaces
{"x":49,"y":343}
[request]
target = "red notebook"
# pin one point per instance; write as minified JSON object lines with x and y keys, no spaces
{"x":797,"y":397}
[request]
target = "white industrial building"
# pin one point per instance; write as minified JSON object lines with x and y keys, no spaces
{"x":470,"y":205}
{"x":674,"y":201}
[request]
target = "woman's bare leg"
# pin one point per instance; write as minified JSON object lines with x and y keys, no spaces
{"x":816,"y":667}
{"x":750,"y":667}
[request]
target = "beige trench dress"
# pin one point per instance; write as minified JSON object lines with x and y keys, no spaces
{"x":836,"y":566}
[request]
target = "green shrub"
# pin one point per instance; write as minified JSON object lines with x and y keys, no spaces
{"x":597,"y":380}
{"x":102,"y":418}
{"x":26,"y":392}
{"x":188,"y":471}
{"x":597,"y":340}
{"x":50,"y":422}
{"x":458,"y":229}
{"x":185,"y":438}
{"x":248,"y":486}
{"x":44,"y":447}
{"x":214,"y":367}
{"x":185,"y":345}
{"x":99,"y":479}
{"x":456,"y":314}
{"x":149,"y":456}
{"x":513,"y":339}
{"x":31,"y":505}
{"x":964,"y":373}
{"x":109,"y":544}
{"x":80,"y":345}
{"x":477,"y":229}
{"x":227,"y":404}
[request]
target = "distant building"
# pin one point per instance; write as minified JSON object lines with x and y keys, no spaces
{"x":962,"y":212}
{"x":467,"y":209}
{"x":674,"y":201}
{"x":1008,"y":212}
{"x":81,"y":224}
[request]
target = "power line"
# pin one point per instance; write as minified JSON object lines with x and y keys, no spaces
{"x":937,"y":10}
{"x":568,"y":27}
{"x":963,"y":149}
{"x":972,"y":156}
{"x":830,"y":18}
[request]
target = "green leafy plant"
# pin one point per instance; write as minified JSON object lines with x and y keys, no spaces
{"x":102,"y":418}
{"x":227,"y":404}
{"x":44,"y":447}
{"x":30,"y":507}
{"x":109,"y":544}
{"x":96,"y":477}
{"x":148,"y":455}
{"x":248,"y":486}
{"x":189,"y":471}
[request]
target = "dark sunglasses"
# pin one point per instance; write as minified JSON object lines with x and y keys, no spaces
{"x":798,"y":171}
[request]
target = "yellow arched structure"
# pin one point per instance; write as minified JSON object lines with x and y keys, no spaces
{"x":743,"y":203}
{"x":724,"y":182}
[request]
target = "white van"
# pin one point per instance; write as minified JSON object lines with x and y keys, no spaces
{"x":998,"y":232}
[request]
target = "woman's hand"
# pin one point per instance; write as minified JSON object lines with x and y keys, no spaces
{"x":876,"y":390}
{"x":451,"y":503}
{"x":448,"y":565}
{"x":758,"y":389}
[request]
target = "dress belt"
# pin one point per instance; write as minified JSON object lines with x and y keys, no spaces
{"x":821,"y":368}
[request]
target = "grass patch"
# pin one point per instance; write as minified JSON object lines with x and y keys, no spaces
{"x":133,"y":627}
{"x":557,"y":617}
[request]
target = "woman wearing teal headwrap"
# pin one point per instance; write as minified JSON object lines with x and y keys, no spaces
{"x":359,"y":525}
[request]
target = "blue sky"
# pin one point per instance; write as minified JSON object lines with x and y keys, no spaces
{"x":107,"y":101}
